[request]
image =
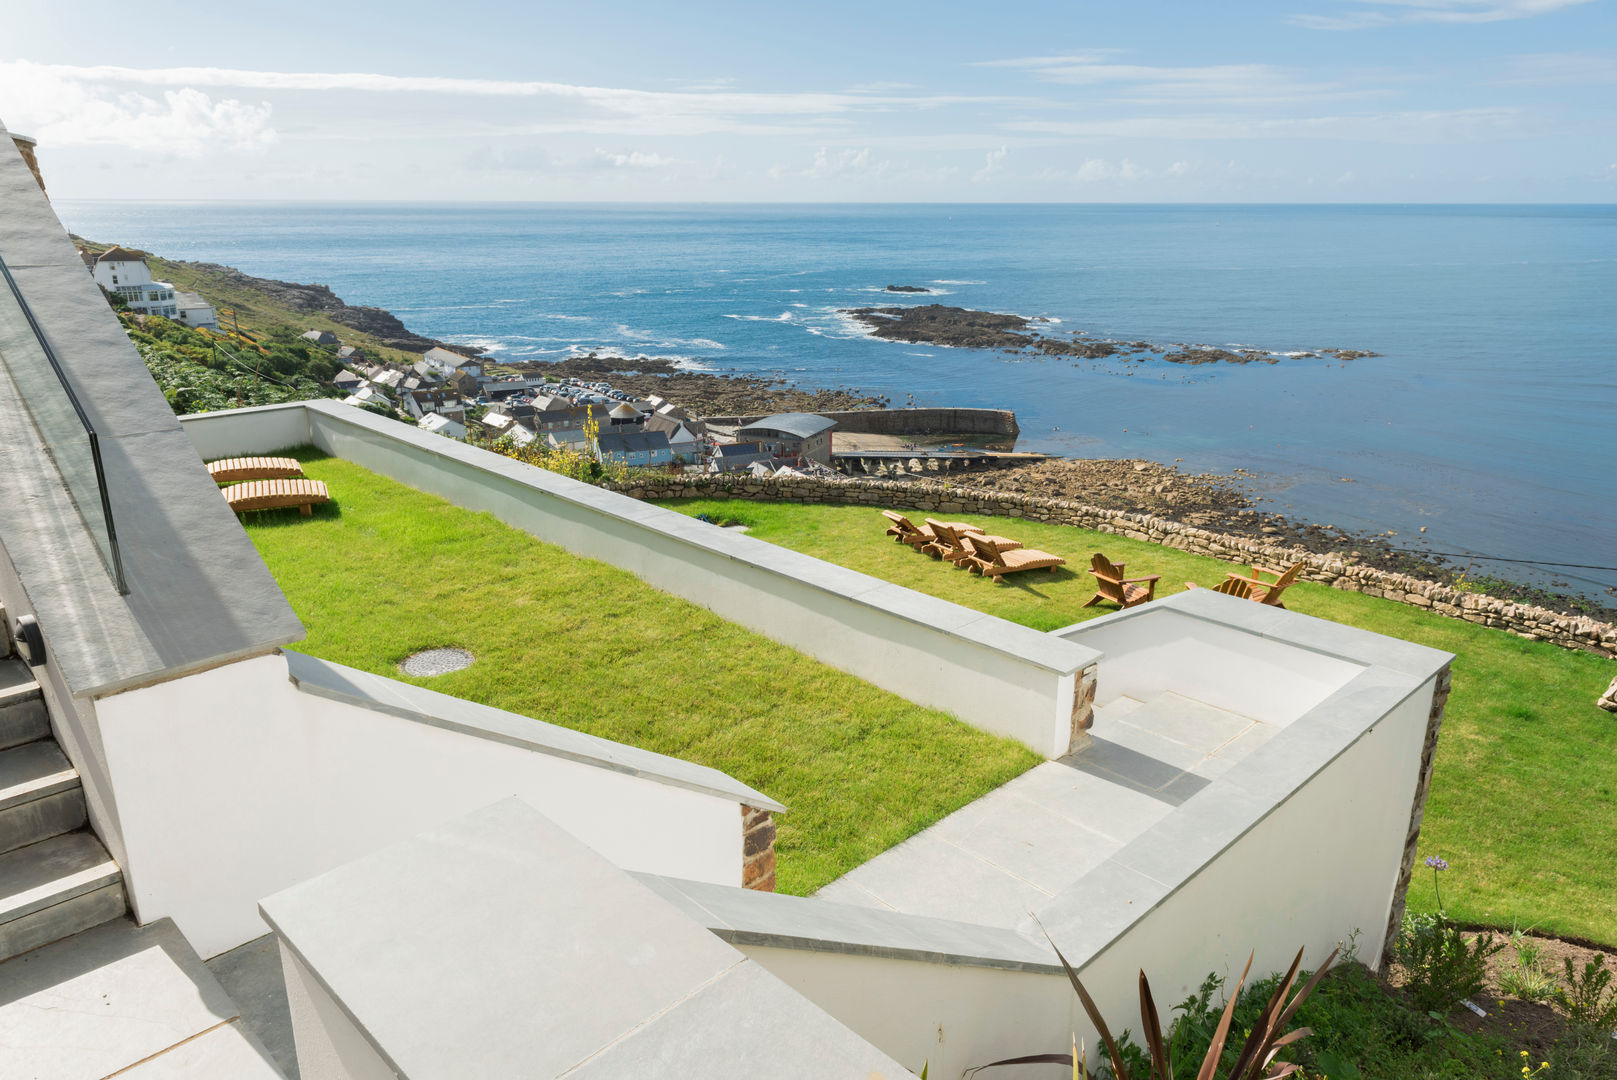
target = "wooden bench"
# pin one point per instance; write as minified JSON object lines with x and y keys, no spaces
{"x":276,"y":495}
{"x":236,"y":469}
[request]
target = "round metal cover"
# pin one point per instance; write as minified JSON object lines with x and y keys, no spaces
{"x":436,"y":662}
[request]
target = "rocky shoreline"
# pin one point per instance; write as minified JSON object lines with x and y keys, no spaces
{"x":963,"y":328}
{"x":703,"y":393}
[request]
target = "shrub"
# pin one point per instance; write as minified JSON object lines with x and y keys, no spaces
{"x":1442,"y":967}
{"x":1588,"y":999}
{"x":1525,"y":977}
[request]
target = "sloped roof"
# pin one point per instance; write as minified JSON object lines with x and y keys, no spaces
{"x":634,"y":442}
{"x":796,"y":424}
{"x":118,"y":254}
{"x":737,"y":450}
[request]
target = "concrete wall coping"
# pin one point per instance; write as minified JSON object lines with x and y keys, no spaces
{"x":1030,"y":646}
{"x":499,"y":945}
{"x":416,"y":703}
{"x":748,"y":917}
{"x":1095,"y":911}
{"x":199,"y":593}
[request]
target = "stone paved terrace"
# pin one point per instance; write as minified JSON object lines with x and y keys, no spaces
{"x":1010,"y":852}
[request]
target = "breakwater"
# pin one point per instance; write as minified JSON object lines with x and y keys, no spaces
{"x":998,"y":422}
{"x":1523,"y":620}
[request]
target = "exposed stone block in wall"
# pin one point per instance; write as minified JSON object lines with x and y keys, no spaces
{"x":1608,"y":700}
{"x":1417,"y":813}
{"x":757,"y":849}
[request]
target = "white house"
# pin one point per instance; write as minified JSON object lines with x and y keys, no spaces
{"x":124,"y":273}
{"x":194,"y":311}
{"x":447,"y":363}
{"x":439,"y":424}
{"x":367,"y":395}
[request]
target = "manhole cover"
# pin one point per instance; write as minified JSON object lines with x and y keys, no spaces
{"x":436,"y":662}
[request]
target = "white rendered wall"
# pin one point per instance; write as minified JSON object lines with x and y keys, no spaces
{"x":949,"y":1017}
{"x":233,"y":784}
{"x":1323,"y":864}
{"x":240,"y":432}
{"x":329,"y":1045}
{"x":1248,"y":674}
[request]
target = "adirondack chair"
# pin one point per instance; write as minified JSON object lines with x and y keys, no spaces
{"x":950,"y":542}
{"x":1230,"y":586}
{"x":1112,"y":587}
{"x":985,"y":556}
{"x":1269,"y":592}
{"x":904,"y":531}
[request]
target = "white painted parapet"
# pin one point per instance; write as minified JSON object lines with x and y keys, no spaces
{"x":237,"y":782}
{"x":996,"y":675}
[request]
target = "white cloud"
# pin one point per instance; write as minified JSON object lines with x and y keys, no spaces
{"x":1399,"y":127}
{"x":994,"y":161}
{"x":1094,"y":170}
{"x":635,"y":159}
{"x":1230,"y":84}
{"x":843,"y":162}
{"x":1371,"y":13}
{"x":186,"y":121}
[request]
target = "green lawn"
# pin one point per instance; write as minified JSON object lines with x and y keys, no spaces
{"x":1524,"y":796}
{"x":384,"y":570}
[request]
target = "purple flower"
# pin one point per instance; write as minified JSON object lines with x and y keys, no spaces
{"x":1436,"y":863}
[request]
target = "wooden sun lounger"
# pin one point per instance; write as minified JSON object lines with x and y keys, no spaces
{"x":904,"y":531}
{"x":277,"y":494}
{"x":236,"y":469}
{"x":1269,"y":592}
{"x":1113,"y":588}
{"x":991,"y":560}
{"x":951,"y":542}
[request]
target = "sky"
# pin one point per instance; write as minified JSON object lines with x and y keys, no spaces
{"x":1066,"y":101}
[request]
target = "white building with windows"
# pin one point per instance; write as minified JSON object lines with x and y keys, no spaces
{"x":124,"y":273}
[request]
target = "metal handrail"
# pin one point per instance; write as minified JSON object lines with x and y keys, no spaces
{"x":114,"y":560}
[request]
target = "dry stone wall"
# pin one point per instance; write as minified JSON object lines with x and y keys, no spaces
{"x":1524,"y":620}
{"x":906,"y":421}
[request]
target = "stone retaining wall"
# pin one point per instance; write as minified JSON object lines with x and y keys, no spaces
{"x":907,"y":421}
{"x":1423,"y":788}
{"x":1523,"y":620}
{"x":757,"y":849}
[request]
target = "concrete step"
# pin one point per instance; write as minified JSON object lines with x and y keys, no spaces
{"x":40,"y":795}
{"x":123,"y":1000}
{"x":22,"y":709}
{"x":56,"y":888}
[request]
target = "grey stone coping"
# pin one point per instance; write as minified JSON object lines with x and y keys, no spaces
{"x":1092,"y":913}
{"x":498,"y":945}
{"x":748,"y":917}
{"x":1028,"y":645}
{"x":381,"y":694}
{"x":199,"y":593}
{"x":1288,"y":627}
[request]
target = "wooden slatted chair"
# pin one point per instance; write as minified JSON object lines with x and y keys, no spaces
{"x":1112,"y":587}
{"x":236,"y":469}
{"x":1269,"y":592}
{"x":992,"y":559}
{"x":1230,"y":586}
{"x":904,"y":531}
{"x":276,"y":495}
{"x":951,"y":542}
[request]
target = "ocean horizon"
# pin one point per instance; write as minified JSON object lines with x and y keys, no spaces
{"x":1487,"y":418}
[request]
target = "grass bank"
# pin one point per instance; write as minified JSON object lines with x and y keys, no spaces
{"x":1524,"y":795}
{"x":384,"y":570}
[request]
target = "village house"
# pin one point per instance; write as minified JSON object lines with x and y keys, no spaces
{"x":368,"y":395}
{"x":351,"y":354}
{"x":447,"y":363}
{"x":738,"y":457}
{"x":192,"y":310}
{"x":646,"y":449}
{"x":320,"y":337}
{"x":421,"y":403}
{"x":439,"y":424}
{"x":792,"y":438}
{"x":683,"y":442}
{"x":348,"y":380}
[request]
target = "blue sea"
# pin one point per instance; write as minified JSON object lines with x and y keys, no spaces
{"x":1490,"y":418}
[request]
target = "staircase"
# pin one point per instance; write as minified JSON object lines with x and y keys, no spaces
{"x":56,"y":878}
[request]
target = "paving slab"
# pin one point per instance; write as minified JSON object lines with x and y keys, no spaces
{"x":251,"y":975}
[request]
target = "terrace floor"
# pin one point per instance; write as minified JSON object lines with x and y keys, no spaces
{"x":1006,"y":854}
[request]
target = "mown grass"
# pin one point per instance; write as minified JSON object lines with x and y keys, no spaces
{"x":1524,"y":794}
{"x":383,"y":571}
